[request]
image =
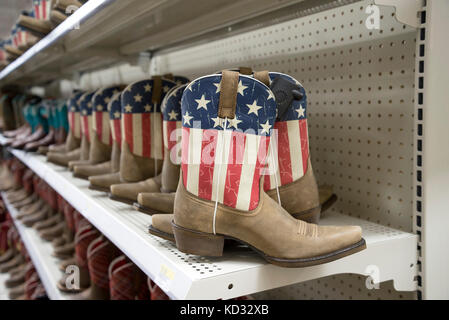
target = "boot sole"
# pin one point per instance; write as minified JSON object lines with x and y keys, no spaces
{"x":144,"y":209}
{"x":161,"y":234}
{"x":211,"y":245}
{"x":97,"y":188}
{"x":120,"y":199}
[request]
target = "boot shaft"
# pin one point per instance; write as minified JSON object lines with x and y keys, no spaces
{"x":289,"y":154}
{"x":100,"y":254}
{"x":225,"y":138}
{"x":115,"y":115}
{"x":126,"y":280}
{"x":172,"y":133}
{"x":101,"y":121}
{"x":86,"y":109}
{"x":142,"y":118}
{"x":74,"y":118}
{"x":142,"y":149}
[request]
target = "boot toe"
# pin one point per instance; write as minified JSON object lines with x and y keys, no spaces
{"x":105,"y":180}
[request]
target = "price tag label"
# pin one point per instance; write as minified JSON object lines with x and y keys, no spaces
{"x":165,"y":278}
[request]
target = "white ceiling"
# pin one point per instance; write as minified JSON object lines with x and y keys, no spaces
{"x":9,"y":12}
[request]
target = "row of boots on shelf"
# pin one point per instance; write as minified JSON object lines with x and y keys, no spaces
{"x":225,"y":156}
{"x":92,"y":267}
{"x":34,"y":24}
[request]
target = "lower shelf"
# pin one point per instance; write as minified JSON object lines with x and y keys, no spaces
{"x":3,"y":289}
{"x":390,"y":254}
{"x":40,"y":252}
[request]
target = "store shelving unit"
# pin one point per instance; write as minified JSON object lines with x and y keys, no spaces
{"x":3,"y":289}
{"x":104,"y":32}
{"x":240,"y":271}
{"x":40,"y":252}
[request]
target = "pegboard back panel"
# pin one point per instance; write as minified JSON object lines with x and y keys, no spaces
{"x":360,"y":86}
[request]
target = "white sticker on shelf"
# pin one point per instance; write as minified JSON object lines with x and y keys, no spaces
{"x":165,"y":278}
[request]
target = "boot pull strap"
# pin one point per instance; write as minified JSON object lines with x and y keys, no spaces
{"x":228,"y":94}
{"x":168,"y":76}
{"x":246,"y":71}
{"x":263,"y":77}
{"x":157,"y":89}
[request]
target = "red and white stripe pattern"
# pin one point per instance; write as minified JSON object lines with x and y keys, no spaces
{"x":143,"y":133}
{"x":86,"y":126}
{"x":172,"y":138}
{"x":115,"y":115}
{"x":74,"y":115}
{"x":290,"y":147}
{"x":86,"y":109}
{"x":75,"y":123}
{"x":42,"y":9}
{"x":235,"y":176}
{"x":101,"y":127}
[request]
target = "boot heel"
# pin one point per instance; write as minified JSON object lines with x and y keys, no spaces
{"x":198,"y":243}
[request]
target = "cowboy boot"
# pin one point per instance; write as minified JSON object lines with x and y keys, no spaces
{"x":62,"y":154}
{"x":66,"y":263}
{"x":171,"y":113}
{"x":52,"y":232}
{"x":100,"y":254}
{"x":161,"y":226}
{"x":30,"y":209}
{"x":16,"y":292}
{"x":27,"y":201}
{"x":156,"y":293}
{"x":103,"y":182}
{"x":101,"y":141}
{"x":12,"y":263}
{"x":85,"y":103}
{"x":229,"y":200}
{"x":46,"y":113}
{"x":127,"y":281}
{"x":83,"y":239}
{"x":154,"y":202}
{"x":38,"y":21}
{"x":43,"y":214}
{"x":18,"y":277}
{"x":142,"y":145}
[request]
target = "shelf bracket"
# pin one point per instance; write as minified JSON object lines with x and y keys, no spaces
{"x":406,"y":10}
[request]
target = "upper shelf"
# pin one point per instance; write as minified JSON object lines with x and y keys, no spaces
{"x":390,"y":253}
{"x":105,"y":32}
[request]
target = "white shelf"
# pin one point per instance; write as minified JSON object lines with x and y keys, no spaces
{"x":40,"y":252}
{"x":3,"y":289}
{"x":390,"y":252}
{"x":120,"y":30}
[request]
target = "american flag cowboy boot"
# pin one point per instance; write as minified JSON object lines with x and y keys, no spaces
{"x":142,"y":143}
{"x":103,"y":182}
{"x":101,"y":139}
{"x":38,"y":21}
{"x":227,"y":125}
{"x":86,"y":108}
{"x":162,"y":200}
